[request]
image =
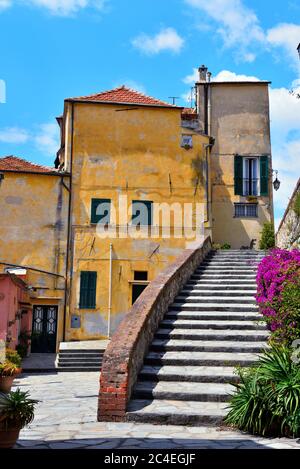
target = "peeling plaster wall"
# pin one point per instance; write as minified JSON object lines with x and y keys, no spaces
{"x":134,"y":153}
{"x":33,"y":233}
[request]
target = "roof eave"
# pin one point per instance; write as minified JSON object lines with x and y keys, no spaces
{"x":88,"y":101}
{"x":40,"y":173}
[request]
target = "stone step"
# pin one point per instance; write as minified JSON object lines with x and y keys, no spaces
{"x":234,"y":257}
{"x":79,"y":362}
{"x":201,"y":358}
{"x":219,"y":285}
{"x":194,"y":345}
{"x":210,"y":334}
{"x":219,"y":293}
{"x":176,"y":412}
{"x":247,"y":308}
{"x":225,"y":268}
{"x":212,"y":325}
{"x":186,"y":391}
{"x":199,"y":374}
{"x":215,"y":298}
{"x":75,"y":369}
{"x":229,"y":262}
{"x":80,"y":355}
{"x":81,"y":352}
{"x":212,"y":315}
{"x":223,"y":276}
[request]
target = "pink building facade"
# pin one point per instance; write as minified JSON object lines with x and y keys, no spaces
{"x":15,"y":309}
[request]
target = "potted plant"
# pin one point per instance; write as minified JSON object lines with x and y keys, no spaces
{"x":9,"y":369}
{"x":16,"y":411}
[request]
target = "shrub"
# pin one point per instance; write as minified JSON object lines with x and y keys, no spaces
{"x":267,"y":399}
{"x":225,"y":246}
{"x":278,"y":294}
{"x":16,"y":409}
{"x":12,"y":356}
{"x":267,"y":240}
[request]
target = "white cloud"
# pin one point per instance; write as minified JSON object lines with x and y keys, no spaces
{"x":2,"y":91}
{"x":57,"y":7}
{"x":4,"y":4}
{"x":287,"y":36}
{"x":238,"y":25}
{"x":47,"y":138}
{"x":166,"y":40}
{"x":13,"y":135}
{"x":226,"y":75}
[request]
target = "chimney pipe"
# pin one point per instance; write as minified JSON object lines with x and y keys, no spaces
{"x":202,"y":73}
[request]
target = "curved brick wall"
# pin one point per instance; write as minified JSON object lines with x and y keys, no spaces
{"x":125,"y":353}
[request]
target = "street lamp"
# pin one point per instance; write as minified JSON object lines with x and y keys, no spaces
{"x":298,"y":49}
{"x":276,"y":182}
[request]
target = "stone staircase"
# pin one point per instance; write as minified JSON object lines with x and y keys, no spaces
{"x":209,"y":329}
{"x":81,"y":356}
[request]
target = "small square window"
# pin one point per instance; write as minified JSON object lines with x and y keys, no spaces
{"x":187,"y":141}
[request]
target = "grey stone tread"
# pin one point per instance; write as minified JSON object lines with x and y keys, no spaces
{"x":186,"y":388}
{"x":145,"y":407}
{"x":215,"y":297}
{"x":263,"y":334}
{"x":214,"y":325}
{"x":246,"y":307}
{"x":248,"y":293}
{"x":208,"y":344}
{"x":213,"y":314}
{"x":189,"y":371}
{"x":199,"y":358}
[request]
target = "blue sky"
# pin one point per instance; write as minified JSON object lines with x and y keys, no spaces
{"x":53,"y":49}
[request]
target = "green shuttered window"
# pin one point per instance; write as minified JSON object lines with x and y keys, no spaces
{"x":238,"y":175}
{"x":100,"y":211}
{"x":245,"y":186}
{"x":88,"y":281}
{"x":141,"y":212}
{"x":264,"y":175}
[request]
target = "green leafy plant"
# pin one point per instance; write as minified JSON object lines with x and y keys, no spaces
{"x":16,"y":409}
{"x":267,"y":240}
{"x":267,"y":399}
{"x":9,"y":369}
{"x":13,"y":356}
{"x":225,"y":246}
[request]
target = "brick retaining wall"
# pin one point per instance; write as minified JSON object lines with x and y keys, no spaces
{"x":125,"y":353}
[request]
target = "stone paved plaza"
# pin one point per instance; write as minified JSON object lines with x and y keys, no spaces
{"x":66,"y":418}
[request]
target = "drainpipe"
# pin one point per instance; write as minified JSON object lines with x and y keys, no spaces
{"x":67,"y":297}
{"x":109,"y":289}
{"x":208,"y":104}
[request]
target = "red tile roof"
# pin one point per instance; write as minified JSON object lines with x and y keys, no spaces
{"x":124,"y":95}
{"x":15,"y":164}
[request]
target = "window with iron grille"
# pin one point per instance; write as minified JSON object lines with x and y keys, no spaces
{"x":245,"y":210}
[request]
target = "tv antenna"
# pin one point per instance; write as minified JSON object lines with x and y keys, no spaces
{"x":174,"y":99}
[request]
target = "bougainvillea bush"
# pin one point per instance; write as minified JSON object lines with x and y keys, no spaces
{"x":278,"y":294}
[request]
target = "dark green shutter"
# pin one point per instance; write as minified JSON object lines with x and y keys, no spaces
{"x":264,"y":175}
{"x":136,"y":212}
{"x":238,"y":175}
{"x":88,"y":282}
{"x":94,"y":205}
